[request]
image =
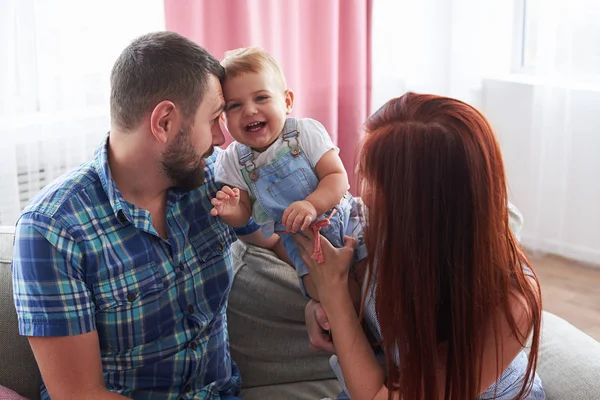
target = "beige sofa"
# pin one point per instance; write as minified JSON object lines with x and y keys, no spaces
{"x":269,"y":343}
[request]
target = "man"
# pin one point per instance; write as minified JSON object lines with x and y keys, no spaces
{"x":120,"y":274}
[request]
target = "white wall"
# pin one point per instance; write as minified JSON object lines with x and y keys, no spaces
{"x":552,"y":162}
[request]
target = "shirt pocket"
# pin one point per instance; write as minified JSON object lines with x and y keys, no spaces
{"x":129,"y":312}
{"x":128,"y":289}
{"x":212,"y":242}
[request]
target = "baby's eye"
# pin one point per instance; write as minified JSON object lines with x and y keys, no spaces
{"x":261,"y":98}
{"x":233,"y":106}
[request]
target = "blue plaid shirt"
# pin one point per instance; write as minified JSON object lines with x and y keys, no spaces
{"x":85,"y":259}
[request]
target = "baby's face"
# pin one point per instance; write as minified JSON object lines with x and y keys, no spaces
{"x":256,"y":106}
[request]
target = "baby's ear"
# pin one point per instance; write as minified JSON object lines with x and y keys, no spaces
{"x":289,"y":101}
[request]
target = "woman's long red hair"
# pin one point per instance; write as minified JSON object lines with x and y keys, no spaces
{"x":438,"y":234}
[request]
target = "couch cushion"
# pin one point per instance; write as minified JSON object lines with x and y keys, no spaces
{"x":569,"y":361}
{"x":19,"y":370}
{"x":311,"y":390}
{"x":266,"y":323}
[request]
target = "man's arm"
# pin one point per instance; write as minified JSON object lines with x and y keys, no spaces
{"x":55,"y":309}
{"x":71,"y":366}
{"x":273,"y":243}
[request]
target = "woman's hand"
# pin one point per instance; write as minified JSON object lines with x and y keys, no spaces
{"x":332,"y":274}
{"x":317,"y":325}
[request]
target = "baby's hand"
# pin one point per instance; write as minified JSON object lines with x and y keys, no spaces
{"x":299,"y":215}
{"x":226,"y":202}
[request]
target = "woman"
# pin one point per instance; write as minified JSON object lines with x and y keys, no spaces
{"x":452,"y":296}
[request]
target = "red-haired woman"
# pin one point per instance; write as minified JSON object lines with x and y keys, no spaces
{"x":451,"y":295}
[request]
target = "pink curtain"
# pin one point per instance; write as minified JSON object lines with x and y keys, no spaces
{"x":323,"y":46}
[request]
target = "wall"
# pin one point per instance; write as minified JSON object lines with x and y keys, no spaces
{"x":552,"y":163}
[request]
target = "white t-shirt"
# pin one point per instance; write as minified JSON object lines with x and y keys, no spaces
{"x":314,"y":142}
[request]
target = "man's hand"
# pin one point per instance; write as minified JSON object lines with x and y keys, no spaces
{"x":317,"y":325}
{"x":298,"y":216}
{"x":226,"y":202}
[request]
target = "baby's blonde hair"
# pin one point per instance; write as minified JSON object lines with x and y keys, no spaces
{"x":251,"y":59}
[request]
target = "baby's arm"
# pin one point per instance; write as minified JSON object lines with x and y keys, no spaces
{"x":333,"y":183}
{"x":233,"y":205}
{"x":273,"y":243}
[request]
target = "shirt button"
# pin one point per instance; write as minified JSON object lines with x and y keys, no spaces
{"x":191,"y":309}
{"x":220,"y":246}
{"x":181,"y":267}
{"x":188,"y":388}
{"x":193,"y":345}
{"x":131,"y":297}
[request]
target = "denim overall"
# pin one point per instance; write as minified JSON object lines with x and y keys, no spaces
{"x":288,"y":178}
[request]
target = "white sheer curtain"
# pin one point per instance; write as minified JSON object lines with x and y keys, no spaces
{"x":54,"y":80}
{"x":439,"y":46}
{"x":543,"y":98}
{"x":561,"y":193}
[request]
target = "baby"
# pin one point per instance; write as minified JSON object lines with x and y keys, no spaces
{"x":283,"y":172}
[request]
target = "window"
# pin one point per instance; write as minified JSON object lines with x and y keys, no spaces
{"x":558,"y":39}
{"x":54,"y":80}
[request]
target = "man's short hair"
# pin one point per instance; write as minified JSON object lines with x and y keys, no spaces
{"x":252,"y":59}
{"x":155,"y":67}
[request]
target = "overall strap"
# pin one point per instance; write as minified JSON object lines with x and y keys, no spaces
{"x":290,"y":136}
{"x":246,"y":160}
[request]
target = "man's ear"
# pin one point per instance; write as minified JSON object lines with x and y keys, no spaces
{"x":165,"y":121}
{"x":289,"y":101}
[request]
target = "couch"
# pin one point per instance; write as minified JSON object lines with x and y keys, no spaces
{"x":269,"y":342}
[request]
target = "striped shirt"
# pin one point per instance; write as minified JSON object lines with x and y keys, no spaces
{"x":85,"y":259}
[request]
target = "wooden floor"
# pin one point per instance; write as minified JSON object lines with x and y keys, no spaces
{"x":570,"y":290}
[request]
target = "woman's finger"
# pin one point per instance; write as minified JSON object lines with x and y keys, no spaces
{"x":350,"y":242}
{"x":301,"y":241}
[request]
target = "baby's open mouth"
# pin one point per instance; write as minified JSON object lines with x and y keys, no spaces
{"x":255,"y":126}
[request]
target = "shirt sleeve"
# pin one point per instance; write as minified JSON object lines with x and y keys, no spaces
{"x":250,"y":228}
{"x":227,"y":169}
{"x":49,"y":289}
{"x":315,"y":141}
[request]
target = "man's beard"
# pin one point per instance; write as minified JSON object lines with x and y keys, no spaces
{"x":182,"y":164}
